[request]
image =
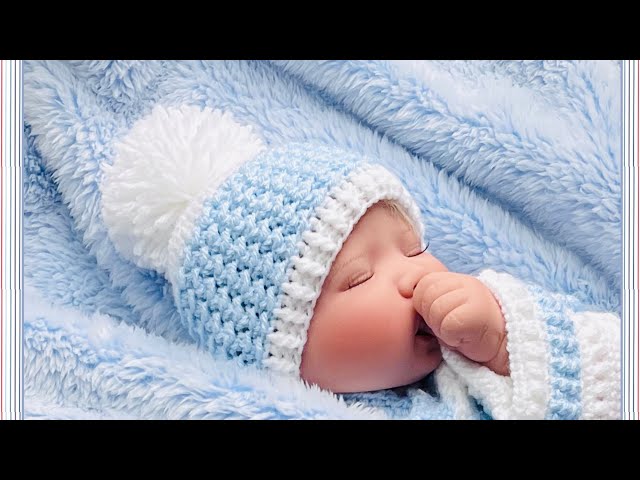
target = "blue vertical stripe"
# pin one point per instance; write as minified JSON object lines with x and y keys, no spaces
{"x":565,"y":400}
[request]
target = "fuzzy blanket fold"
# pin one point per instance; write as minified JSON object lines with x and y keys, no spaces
{"x":515,"y":166}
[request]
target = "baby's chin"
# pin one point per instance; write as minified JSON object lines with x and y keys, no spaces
{"x":414,"y":370}
{"x":419,"y":372}
{"x":426,"y":357}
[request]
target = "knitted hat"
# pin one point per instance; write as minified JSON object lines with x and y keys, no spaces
{"x":245,"y":234}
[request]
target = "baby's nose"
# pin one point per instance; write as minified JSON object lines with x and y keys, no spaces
{"x":408,"y":283}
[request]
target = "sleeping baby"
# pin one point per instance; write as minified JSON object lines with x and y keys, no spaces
{"x":310,"y":261}
{"x":387,"y":305}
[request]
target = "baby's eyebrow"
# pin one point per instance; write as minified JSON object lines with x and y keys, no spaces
{"x":341,"y":266}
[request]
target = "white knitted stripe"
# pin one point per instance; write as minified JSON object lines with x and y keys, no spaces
{"x":528,"y":351}
{"x":598,"y":335}
{"x":453,"y":393}
{"x":493,"y":391}
{"x":329,"y":227}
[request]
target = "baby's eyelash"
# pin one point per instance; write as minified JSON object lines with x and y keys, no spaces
{"x":359,"y":280}
{"x":425,"y":249}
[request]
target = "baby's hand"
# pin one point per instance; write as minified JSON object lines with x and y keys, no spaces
{"x":465,"y":316}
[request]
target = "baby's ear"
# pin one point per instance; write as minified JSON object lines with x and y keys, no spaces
{"x":163,"y":170}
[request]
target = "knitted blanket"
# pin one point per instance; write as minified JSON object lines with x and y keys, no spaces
{"x":515,"y":167}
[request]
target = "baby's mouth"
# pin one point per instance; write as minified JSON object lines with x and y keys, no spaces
{"x":422,"y":329}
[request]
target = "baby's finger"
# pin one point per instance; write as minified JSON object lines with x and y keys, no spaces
{"x":481,"y":343}
{"x":442,"y":306}
{"x":469,"y":333}
{"x":432,"y":287}
{"x":458,"y":325}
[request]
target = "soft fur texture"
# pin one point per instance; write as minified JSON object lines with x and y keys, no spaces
{"x":537,"y":138}
{"x":515,"y":167}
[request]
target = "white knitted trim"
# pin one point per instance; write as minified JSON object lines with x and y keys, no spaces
{"x":525,"y":394}
{"x":166,"y":165}
{"x":453,"y":392}
{"x":329,"y":227}
{"x":493,"y":391}
{"x":598,"y":336}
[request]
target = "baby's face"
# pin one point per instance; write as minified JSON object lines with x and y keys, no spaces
{"x":363,"y":335}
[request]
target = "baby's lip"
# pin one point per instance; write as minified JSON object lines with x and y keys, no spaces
{"x":421,"y":327}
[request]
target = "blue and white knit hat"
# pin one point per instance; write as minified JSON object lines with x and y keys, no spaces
{"x":245,"y":234}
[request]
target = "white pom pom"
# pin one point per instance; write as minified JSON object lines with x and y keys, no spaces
{"x":168,"y":160}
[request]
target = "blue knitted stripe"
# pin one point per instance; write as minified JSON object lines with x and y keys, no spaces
{"x":565,"y":401}
{"x":392,"y":403}
{"x":426,"y":407}
{"x":236,"y":262}
{"x":413,"y":403}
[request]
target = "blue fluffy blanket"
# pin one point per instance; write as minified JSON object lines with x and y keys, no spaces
{"x":515,"y":166}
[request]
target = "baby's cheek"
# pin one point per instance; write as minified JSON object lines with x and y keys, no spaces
{"x":352,"y":332}
{"x":375,"y":334}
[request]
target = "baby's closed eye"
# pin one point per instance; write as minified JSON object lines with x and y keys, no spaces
{"x":418,"y":250}
{"x":361,"y":275}
{"x":358,"y":278}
